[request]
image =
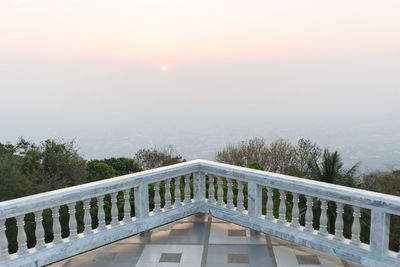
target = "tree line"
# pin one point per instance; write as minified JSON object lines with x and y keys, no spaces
{"x":27,"y":168}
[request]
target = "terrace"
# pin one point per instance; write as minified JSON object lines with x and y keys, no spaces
{"x":209,"y":210}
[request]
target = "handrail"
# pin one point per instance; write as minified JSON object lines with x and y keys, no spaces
{"x":188,"y":200}
{"x":32,"y":203}
{"x":347,"y":195}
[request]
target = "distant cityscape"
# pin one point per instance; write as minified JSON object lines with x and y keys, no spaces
{"x":374,"y":150}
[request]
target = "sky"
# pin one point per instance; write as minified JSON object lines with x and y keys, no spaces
{"x":92,"y":70}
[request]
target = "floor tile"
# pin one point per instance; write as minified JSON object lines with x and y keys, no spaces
{"x":229,"y":245}
{"x":256,"y":255}
{"x":170,"y":257}
{"x":238,"y":258}
{"x":308,"y":259}
{"x":232,"y":232}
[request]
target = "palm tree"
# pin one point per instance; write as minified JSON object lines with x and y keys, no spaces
{"x":330,"y":170}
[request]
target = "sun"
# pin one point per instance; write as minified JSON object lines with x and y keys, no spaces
{"x":164,"y":68}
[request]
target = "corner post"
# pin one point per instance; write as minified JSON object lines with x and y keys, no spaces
{"x":141,"y":201}
{"x":380,"y":227}
{"x":199,"y":180}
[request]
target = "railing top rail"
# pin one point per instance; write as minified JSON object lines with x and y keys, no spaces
{"x":347,"y":195}
{"x":24,"y":205}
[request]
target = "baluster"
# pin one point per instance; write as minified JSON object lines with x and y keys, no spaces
{"x":187,"y":189}
{"x":295,"y":211}
{"x":229,"y":195}
{"x":157,"y":205}
{"x":356,"y":228}
{"x":21,"y":235}
{"x":87,"y":219}
{"x":339,"y":222}
{"x":323,"y":220}
{"x":240,"y":197}
{"x":282,"y":207}
{"x":270,"y":204}
{"x":114,"y":209}
{"x":220,"y":192}
{"x":3,"y":241}
{"x":39,"y":231}
{"x":73,"y":232}
{"x":211,"y":190}
{"x":127,"y":206}
{"x":309,"y":215}
{"x":167,"y":194}
{"x":56,"y":225}
{"x":178,"y":192}
{"x":100,"y":215}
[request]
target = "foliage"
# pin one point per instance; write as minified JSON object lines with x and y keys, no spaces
{"x":256,"y":165}
{"x":106,"y":168}
{"x":330,"y":170}
{"x":154,"y":158}
{"x":279,"y":156}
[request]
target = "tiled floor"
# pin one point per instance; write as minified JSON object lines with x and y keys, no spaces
{"x":202,"y":241}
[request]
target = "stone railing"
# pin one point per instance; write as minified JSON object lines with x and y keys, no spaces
{"x":298,"y":210}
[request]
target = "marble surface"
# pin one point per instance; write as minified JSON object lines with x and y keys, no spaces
{"x":203,"y":241}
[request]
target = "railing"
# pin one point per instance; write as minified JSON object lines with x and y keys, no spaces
{"x":306,"y":212}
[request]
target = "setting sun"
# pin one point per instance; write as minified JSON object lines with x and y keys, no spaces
{"x":164,"y":68}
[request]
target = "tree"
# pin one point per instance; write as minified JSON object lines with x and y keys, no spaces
{"x":98,"y":170}
{"x":244,"y":153}
{"x":123,"y":165}
{"x":305,"y":152}
{"x":279,"y":156}
{"x":330,"y":170}
{"x":107,"y":168}
{"x":154,"y":158}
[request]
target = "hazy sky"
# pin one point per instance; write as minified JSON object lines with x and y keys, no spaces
{"x":92,"y":70}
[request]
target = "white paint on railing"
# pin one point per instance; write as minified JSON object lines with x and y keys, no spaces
{"x":323,"y":220}
{"x":380,"y":205}
{"x":39,"y":231}
{"x":73,"y":231}
{"x":339,"y":222}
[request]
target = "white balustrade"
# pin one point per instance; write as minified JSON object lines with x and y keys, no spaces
{"x":39,"y":231}
{"x":178,"y":192}
{"x":211,"y":190}
{"x":114,"y":209}
{"x":323,"y":220}
{"x":101,"y":217}
{"x":157,"y":200}
{"x":167,"y":194}
{"x":356,"y":227}
{"x":187,"y":198}
{"x":270,"y":204}
{"x":73,"y":232}
{"x":87,"y":219}
{"x":240,"y":197}
{"x":56,"y":225}
{"x":375,"y":252}
{"x":127,"y":206}
{"x":4,"y":255}
{"x":282,"y":207}
{"x":220,"y":192}
{"x":295,"y":211}
{"x":21,"y":235}
{"x":339,"y":222}
{"x":309,"y":215}
{"x":229,"y":195}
